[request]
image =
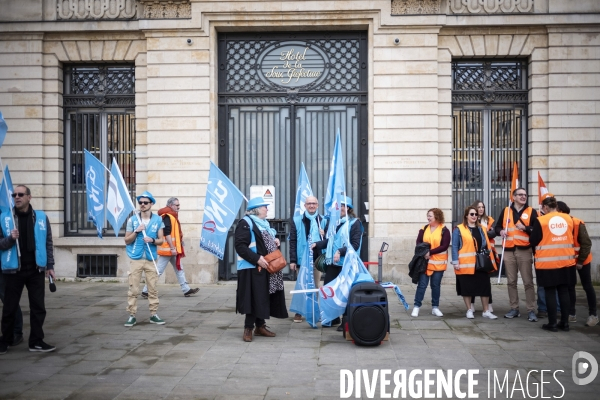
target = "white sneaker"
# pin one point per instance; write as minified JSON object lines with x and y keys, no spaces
{"x":472,"y":307}
{"x":488,"y":314}
{"x":415,"y":312}
{"x":470,"y":314}
{"x":490,"y":309}
{"x":436,"y":311}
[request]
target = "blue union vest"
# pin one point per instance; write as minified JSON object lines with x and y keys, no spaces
{"x":10,"y":261}
{"x":137,"y":249}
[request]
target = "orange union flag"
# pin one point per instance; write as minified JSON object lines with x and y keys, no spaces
{"x":515,"y":180}
{"x":542,"y":189}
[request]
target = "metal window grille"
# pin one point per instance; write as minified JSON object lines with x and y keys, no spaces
{"x":488,"y":133}
{"x":99,"y":106}
{"x":96,"y":265}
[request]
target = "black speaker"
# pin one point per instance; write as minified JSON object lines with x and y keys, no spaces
{"x":367,"y":314}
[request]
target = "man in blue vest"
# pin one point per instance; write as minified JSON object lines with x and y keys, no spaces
{"x":29,"y":269}
{"x":143,"y":234}
{"x":309,"y":223}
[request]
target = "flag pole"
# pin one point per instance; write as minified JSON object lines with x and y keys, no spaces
{"x":504,"y":243}
{"x":10,"y":202}
{"x":139,"y":221}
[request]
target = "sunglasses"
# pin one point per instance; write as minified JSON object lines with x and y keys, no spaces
{"x":144,"y":203}
{"x":18,"y":194}
{"x":472,"y":214}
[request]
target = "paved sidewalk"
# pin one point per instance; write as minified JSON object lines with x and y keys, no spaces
{"x":199,"y":353}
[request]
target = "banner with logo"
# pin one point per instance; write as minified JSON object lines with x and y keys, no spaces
{"x":334,"y":295}
{"x":6,"y":191}
{"x":336,"y":194}
{"x":222,"y":203}
{"x":306,"y":304}
{"x":94,"y":187}
{"x":118,"y":202}
{"x":3,"y":129}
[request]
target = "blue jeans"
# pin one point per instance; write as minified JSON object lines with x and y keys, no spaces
{"x":436,"y":282}
{"x":19,"y":315}
{"x":162,"y":263}
{"x":541,"y":300}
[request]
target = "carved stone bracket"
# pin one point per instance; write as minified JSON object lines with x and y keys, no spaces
{"x":166,"y":9}
{"x":400,"y":7}
{"x":490,"y":6}
{"x":95,"y":9}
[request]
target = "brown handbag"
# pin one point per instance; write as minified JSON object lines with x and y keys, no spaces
{"x":276,"y":261}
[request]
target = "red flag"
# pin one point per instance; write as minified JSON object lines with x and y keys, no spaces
{"x":515,"y":180}
{"x":542,"y":189}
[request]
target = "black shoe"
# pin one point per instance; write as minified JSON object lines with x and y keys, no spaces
{"x":145,"y":295}
{"x":17,"y":339}
{"x":191,"y":292}
{"x":43,"y":347}
{"x":542,"y":314}
{"x":3,"y":348}
{"x":336,"y":321}
{"x":550,"y":327}
{"x":563,"y":327}
{"x":340,"y":328}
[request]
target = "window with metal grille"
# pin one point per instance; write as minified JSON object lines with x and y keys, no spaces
{"x":96,"y":265}
{"x":99,"y":115}
{"x":489,"y":132}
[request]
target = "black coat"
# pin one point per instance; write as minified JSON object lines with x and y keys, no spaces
{"x":242,"y":241}
{"x":418,"y":264}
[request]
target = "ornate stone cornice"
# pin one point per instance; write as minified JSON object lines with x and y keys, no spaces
{"x":122,"y":9}
{"x":490,"y":6}
{"x":95,"y":9}
{"x":166,"y":9}
{"x":411,"y":7}
{"x":408,"y":7}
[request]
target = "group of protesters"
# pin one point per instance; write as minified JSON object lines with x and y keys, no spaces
{"x":553,"y":243}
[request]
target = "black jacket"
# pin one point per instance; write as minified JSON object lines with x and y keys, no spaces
{"x":293,"y":247}
{"x":242,"y":241}
{"x":355,"y":237}
{"x":418,"y":264}
{"x":7,"y":242}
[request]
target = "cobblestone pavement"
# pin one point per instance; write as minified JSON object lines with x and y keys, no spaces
{"x":199,"y":353}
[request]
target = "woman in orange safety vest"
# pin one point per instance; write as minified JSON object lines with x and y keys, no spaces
{"x":554,"y":246}
{"x":467,"y":240}
{"x":438,"y":236}
{"x":487,"y":224}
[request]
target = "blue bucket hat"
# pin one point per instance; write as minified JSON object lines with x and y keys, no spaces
{"x":148,"y":195}
{"x":256,"y":202}
{"x":348,"y":202}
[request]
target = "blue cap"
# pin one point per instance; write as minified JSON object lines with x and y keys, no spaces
{"x":148,"y":195}
{"x":256,"y":202}
{"x":348,"y":202}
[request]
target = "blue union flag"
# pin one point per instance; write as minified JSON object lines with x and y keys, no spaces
{"x":223,"y":201}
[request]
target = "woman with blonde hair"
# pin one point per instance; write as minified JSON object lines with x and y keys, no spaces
{"x":438,"y":236}
{"x":468,"y":239}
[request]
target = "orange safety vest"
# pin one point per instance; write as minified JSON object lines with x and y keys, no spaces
{"x":556,"y":249}
{"x":490,"y":223}
{"x":165,"y":249}
{"x":467,"y":253}
{"x":437,"y":262}
{"x":576,"y":223}
{"x":515,"y":237}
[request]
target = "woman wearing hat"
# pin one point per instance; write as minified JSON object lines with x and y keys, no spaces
{"x":336,"y":245}
{"x":260,"y":295}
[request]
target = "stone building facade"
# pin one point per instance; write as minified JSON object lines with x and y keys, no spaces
{"x":434,"y":74}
